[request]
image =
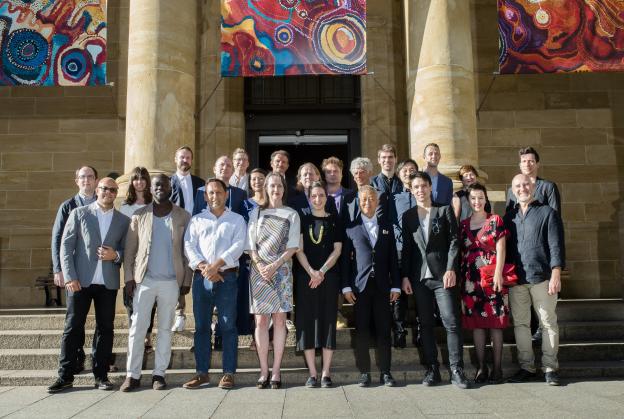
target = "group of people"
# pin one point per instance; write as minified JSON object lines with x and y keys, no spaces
{"x":254,"y":246}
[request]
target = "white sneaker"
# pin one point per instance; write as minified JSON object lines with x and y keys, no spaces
{"x":180,"y":322}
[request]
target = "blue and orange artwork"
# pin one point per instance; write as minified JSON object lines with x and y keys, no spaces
{"x":292,"y":37}
{"x":53,"y":42}
{"x":560,"y":36}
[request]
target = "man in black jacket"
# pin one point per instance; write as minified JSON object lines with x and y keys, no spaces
{"x":370,"y":281}
{"x":428,"y":265}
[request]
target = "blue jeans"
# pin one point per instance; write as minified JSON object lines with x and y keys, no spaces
{"x":207,"y":295}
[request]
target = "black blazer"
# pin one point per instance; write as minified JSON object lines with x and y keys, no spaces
{"x":235,"y":200}
{"x":358,"y":257}
{"x":442,"y":249}
{"x":299,"y":202}
{"x":177,"y":197}
{"x":379,"y":183}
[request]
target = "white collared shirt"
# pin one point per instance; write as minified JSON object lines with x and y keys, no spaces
{"x":424,"y":226}
{"x":104,"y":221}
{"x":209,"y":238}
{"x":240,"y":182}
{"x":186,"y":186}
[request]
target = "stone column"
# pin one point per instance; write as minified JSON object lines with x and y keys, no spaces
{"x":162,"y":54}
{"x":440,"y":81}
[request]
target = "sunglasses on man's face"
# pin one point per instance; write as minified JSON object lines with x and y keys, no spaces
{"x":107,"y":189}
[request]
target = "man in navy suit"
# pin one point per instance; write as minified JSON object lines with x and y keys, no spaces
{"x":332,"y":170}
{"x":184,"y":188}
{"x":223,"y":170}
{"x":387,"y":181}
{"x":370,"y":281}
{"x":441,"y":186}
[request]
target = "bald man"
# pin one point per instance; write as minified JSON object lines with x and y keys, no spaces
{"x":91,"y":254}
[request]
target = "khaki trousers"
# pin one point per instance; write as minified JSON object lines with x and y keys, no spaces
{"x":521,"y":297}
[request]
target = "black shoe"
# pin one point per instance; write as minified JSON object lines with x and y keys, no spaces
{"x":104,"y":384}
{"x":522,"y":376}
{"x":60,"y":385}
{"x":365,"y":380}
{"x":399,"y":340}
{"x":432,"y":376}
{"x":218,"y":343}
{"x":158,"y":382}
{"x":262,"y":384}
{"x":537,"y":336}
{"x":312,"y":382}
{"x":482,"y":375}
{"x":326,"y":382}
{"x":80,"y":363}
{"x":552,"y":378}
{"x":459,"y":378}
{"x":496,"y":378}
{"x":276,"y":384}
{"x":387,"y":380}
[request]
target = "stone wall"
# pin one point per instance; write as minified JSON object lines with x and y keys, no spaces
{"x":576,"y":122}
{"x":45,"y":134}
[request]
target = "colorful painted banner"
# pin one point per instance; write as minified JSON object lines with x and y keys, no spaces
{"x":291,"y":37}
{"x":53,"y":42}
{"x":558,"y":36}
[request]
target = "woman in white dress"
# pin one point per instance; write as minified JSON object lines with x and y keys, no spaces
{"x":273,"y":240}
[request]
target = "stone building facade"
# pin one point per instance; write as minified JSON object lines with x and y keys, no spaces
{"x":432,"y":65}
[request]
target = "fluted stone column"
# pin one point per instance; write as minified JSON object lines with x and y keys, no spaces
{"x":162,"y":54}
{"x":440,"y":81}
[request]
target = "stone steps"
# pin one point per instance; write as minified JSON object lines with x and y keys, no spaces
{"x":298,"y":376}
{"x":182,"y":357}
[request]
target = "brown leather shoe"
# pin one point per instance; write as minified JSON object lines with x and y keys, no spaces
{"x":227,"y":382}
{"x":130,"y":384}
{"x":158,"y":382}
{"x":196,"y":382}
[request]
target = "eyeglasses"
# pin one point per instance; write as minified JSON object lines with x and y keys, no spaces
{"x":83,"y":177}
{"x":107,"y":189}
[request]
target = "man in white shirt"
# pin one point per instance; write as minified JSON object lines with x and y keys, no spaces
{"x":240,"y":178}
{"x":213,"y":244}
{"x":91,"y":254}
{"x":184,"y":187}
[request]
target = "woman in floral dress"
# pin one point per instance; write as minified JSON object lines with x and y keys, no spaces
{"x":482,"y":236}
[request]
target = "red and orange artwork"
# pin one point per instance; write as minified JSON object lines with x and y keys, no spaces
{"x":559,"y":36}
{"x":291,"y":37}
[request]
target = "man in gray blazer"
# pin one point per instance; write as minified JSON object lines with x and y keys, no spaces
{"x":91,"y":254}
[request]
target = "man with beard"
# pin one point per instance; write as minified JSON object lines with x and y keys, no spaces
{"x":184,"y":188}
{"x":155,"y":270}
{"x":91,"y":254}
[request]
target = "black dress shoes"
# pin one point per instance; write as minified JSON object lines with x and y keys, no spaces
{"x":432,"y":376}
{"x":387,"y":380}
{"x":326,"y":382}
{"x":60,"y":385}
{"x":522,"y":376}
{"x":365,"y":380}
{"x":552,"y":378}
{"x":459,"y":378}
{"x":399,"y":340}
{"x":80,"y":363}
{"x":103,"y":384}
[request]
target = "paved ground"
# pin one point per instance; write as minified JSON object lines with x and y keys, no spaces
{"x":583,"y":399}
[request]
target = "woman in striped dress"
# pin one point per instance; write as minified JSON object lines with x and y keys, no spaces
{"x":273,"y":235}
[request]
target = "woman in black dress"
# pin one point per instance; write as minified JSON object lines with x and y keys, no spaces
{"x":317,"y":285}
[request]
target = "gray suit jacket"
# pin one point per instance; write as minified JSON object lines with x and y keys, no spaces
{"x":79,"y":244}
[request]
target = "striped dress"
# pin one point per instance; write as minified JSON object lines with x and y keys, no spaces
{"x":270,"y":233}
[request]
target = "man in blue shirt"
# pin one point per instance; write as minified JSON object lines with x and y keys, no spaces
{"x":441,"y":186}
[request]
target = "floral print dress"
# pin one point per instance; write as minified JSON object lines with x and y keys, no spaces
{"x":481,"y":308}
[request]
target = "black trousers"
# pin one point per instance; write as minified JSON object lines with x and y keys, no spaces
{"x":399,"y":314}
{"x":447,"y":298}
{"x":78,"y":305}
{"x":372,"y":307}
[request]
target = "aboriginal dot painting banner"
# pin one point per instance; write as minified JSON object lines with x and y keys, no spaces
{"x":291,"y":37}
{"x":558,"y":36}
{"x":53,"y":42}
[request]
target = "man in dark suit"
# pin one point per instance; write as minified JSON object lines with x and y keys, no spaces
{"x":91,"y":255}
{"x":223,"y":170}
{"x":428,"y":264}
{"x":361,"y":169}
{"x":184,"y":188}
{"x":86,"y":180}
{"x":332,"y":171}
{"x":370,"y":281}
{"x":441,"y":186}
{"x":387,"y":181}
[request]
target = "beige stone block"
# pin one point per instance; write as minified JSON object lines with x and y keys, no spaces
{"x":595,"y":118}
{"x":576,"y":100}
{"x":516,"y":137}
{"x":14,"y":259}
{"x":610,"y":191}
{"x":101,"y":160}
{"x":545,"y":118}
{"x":593,"y":270}
{"x":603,"y":154}
{"x":495,"y":119}
{"x":501,"y":174}
{"x":21,"y":107}
{"x":28,"y":199}
{"x":577,"y":173}
{"x":573,"y":212}
{"x":578,"y":250}
{"x":58,"y":196}
{"x":57,"y":179}
{"x":4,"y":125}
{"x":562,"y":155}
{"x":88,"y":125}
{"x":11,"y":181}
{"x":5,"y":237}
{"x":106,"y":141}
{"x":601,"y":211}
{"x":33,"y":125}
{"x":28,"y":218}
{"x":579,"y":288}
{"x":604,"y":234}
{"x":3,"y":195}
{"x":611,"y":289}
{"x":573,"y":136}
{"x":30,"y":238}
{"x":608,"y":245}
{"x":29,"y":161}
{"x":30,"y":91}
{"x":616,"y":136}
{"x":66,"y":106}
{"x":44,"y":142}
{"x":95,"y":92}
{"x":497,"y":156}
{"x":543,"y":82}
{"x":595,"y":81}
{"x":580,"y":192}
{"x":25,"y":296}
{"x":101,"y":107}
{"x":40,"y":258}
{"x":509,"y":101}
